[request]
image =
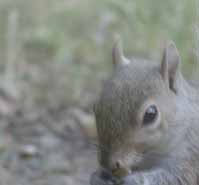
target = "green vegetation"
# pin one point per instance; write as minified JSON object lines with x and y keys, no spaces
{"x":63,"y":47}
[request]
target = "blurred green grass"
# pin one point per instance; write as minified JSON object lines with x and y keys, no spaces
{"x":64,"y":46}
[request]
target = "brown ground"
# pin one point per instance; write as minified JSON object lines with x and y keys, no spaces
{"x":45,"y":147}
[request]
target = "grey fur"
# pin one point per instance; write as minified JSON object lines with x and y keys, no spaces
{"x":165,"y":155}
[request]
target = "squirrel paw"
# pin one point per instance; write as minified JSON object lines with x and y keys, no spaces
{"x":102,"y":178}
{"x":135,"y":179}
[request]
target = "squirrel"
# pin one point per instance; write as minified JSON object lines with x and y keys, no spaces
{"x":147,"y":119}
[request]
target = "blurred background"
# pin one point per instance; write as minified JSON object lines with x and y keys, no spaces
{"x":54,"y":56}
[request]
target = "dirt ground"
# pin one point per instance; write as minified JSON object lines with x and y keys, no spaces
{"x":45,"y":147}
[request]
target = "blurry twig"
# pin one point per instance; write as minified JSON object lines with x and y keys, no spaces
{"x":197,"y":37}
{"x":12,"y":52}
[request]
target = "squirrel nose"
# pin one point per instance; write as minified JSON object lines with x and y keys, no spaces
{"x":115,"y":165}
{"x":118,"y":168}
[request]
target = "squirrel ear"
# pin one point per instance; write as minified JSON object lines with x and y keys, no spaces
{"x":117,"y":54}
{"x":170,"y":65}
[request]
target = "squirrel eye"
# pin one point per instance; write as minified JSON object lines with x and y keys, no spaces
{"x":150,"y":115}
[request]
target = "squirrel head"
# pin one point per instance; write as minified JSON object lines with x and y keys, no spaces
{"x":136,"y":111}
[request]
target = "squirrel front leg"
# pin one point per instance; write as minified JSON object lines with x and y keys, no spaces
{"x":161,"y":177}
